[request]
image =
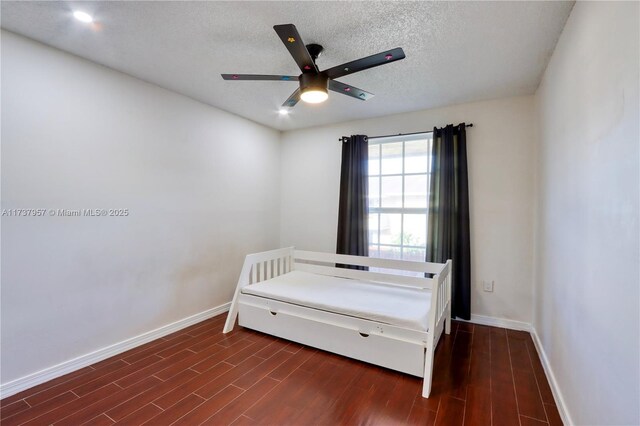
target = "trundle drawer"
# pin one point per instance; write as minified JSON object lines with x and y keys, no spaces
{"x":400,"y":355}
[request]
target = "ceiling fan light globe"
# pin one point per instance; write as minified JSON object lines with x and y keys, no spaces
{"x":314,"y":96}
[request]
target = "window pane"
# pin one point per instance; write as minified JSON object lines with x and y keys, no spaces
{"x":415,"y":191}
{"x":373,"y":228}
{"x":415,"y":254}
{"x":391,"y":191}
{"x":391,"y":158}
{"x":415,"y":230}
{"x":415,"y":156}
{"x":374,"y":192}
{"x":373,"y":251}
{"x":390,"y":252}
{"x":390,"y":228}
{"x":374,"y":159}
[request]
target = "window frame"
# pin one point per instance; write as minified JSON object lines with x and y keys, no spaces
{"x":399,"y":210}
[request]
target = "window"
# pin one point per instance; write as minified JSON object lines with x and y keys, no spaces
{"x":399,"y":171}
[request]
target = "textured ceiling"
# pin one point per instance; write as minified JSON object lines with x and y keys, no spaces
{"x":456,"y":51}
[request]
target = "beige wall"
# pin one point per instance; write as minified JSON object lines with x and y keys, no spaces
{"x":587,"y":283}
{"x":500,"y":151}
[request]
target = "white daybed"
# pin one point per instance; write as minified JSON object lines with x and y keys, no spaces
{"x":382,"y":318}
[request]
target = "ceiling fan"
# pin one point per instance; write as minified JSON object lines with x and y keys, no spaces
{"x":313,"y":82}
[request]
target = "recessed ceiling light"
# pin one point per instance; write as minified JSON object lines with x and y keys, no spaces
{"x":83,"y":16}
{"x":284,"y":111}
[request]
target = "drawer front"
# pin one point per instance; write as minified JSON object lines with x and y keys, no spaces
{"x":399,"y":355}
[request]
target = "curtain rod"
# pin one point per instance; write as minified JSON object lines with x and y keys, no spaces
{"x":399,"y":134}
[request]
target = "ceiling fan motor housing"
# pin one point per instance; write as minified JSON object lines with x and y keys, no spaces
{"x":313,"y":81}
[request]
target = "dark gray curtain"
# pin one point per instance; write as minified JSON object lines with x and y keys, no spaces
{"x":448,"y":229}
{"x":353,"y":211}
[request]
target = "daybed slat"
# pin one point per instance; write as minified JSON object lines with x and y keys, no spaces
{"x":387,"y":279}
{"x":405,"y":265}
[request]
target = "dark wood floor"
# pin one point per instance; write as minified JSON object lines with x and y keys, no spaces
{"x":482,"y":376}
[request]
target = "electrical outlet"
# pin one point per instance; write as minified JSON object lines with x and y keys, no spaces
{"x":487,"y":286}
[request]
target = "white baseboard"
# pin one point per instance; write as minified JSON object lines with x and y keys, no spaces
{"x":555,"y":389}
{"x":498,"y":322}
{"x":26,"y":382}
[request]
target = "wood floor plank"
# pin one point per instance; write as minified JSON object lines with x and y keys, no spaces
{"x":289,"y":366}
{"x":153,"y":350}
{"x":115,"y":375}
{"x":245,"y":353}
{"x":180,"y":392}
{"x":451,"y":412}
{"x":122,"y":410}
{"x":64,"y":410}
{"x":51,"y":392}
{"x":292,"y":394}
{"x":529,"y":402}
{"x":233,"y":337}
{"x":7,"y":410}
{"x":57,"y":382}
{"x":212,"y":337}
{"x":176,"y":411}
{"x":553,"y":415}
{"x":541,"y":377}
{"x":273,"y":348}
{"x":478,"y":399}
{"x":314,"y":362}
{"x":214,"y":324}
{"x":91,"y":410}
{"x":287,"y":393}
{"x":421,"y":413}
{"x":465,"y":326}
{"x":141,"y":415}
{"x":228,"y":353}
{"x":366,"y":413}
{"x":145,"y":370}
{"x":481,"y":339}
{"x":504,"y":407}
{"x":210,"y":407}
{"x":528,"y":421}
{"x":254,"y":375}
{"x":480,"y":369}
{"x":179,"y":365}
{"x":233,"y":410}
{"x":519,"y":354}
{"x":400,"y":402}
{"x":344,"y":409}
{"x":101,"y":420}
{"x":325,"y":402}
{"x":42,"y":409}
{"x":459,"y":367}
{"x":244,"y":421}
{"x":214,"y":386}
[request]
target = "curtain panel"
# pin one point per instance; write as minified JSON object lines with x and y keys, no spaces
{"x":353,"y":211}
{"x":448,"y":227}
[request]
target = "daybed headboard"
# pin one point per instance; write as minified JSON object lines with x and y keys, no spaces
{"x":267,"y":265}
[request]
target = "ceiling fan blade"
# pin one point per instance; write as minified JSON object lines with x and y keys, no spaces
{"x":365,"y":63}
{"x":296,"y":47}
{"x":292,"y":100}
{"x":348,"y":90}
{"x":259,"y":77}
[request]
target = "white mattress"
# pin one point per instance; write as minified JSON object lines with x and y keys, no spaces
{"x":400,"y":306}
